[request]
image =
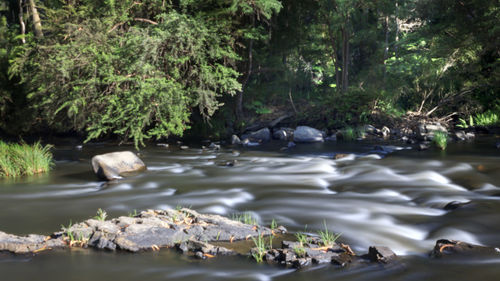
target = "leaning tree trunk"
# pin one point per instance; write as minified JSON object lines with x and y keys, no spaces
{"x":21,"y":21}
{"x":37,"y":23}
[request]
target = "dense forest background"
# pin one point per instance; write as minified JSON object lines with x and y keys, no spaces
{"x":149,"y":69}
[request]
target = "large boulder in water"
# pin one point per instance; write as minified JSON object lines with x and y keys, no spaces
{"x":260,"y":136}
{"x":115,"y":165}
{"x":307,"y":134}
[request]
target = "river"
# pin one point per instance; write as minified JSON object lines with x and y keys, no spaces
{"x":395,"y":197}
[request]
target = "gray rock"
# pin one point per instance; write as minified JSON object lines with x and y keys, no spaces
{"x":462,"y":135}
{"x":426,"y":131}
{"x":260,"y":136}
{"x":284,"y":134}
{"x":380,"y":254}
{"x":455,"y":205}
{"x":307,"y":134}
{"x":28,"y":244}
{"x":369,"y":129}
{"x":235,"y":140}
{"x":214,"y":146}
{"x":386,"y":132}
{"x":203,"y":247}
{"x":116,"y":165}
{"x":424,"y":146}
{"x":445,"y":247}
{"x":333,"y":137}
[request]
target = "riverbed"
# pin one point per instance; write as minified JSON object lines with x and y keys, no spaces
{"x":379,"y":194}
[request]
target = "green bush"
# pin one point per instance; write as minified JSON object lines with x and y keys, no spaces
{"x":23,"y":159}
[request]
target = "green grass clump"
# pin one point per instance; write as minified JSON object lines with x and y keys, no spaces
{"x":261,"y":247}
{"x":440,"y":140}
{"x":245,"y":218}
{"x":101,"y":215}
{"x":300,"y":251}
{"x":274,"y":224}
{"x":328,"y":237}
{"x":301,"y":238}
{"x":24,"y":160}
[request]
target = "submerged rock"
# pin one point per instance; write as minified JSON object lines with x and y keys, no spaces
{"x":380,"y":254}
{"x":307,"y":134}
{"x":445,"y":247}
{"x":462,"y":135}
{"x":424,"y":146}
{"x":116,"y":165}
{"x":455,"y":205}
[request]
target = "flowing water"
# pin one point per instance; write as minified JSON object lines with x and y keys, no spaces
{"x":395,"y":199}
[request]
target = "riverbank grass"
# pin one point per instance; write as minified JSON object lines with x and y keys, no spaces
{"x":24,"y":160}
{"x":441,"y":140}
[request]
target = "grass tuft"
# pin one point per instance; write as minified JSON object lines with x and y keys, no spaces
{"x":24,"y":160}
{"x":261,"y":248}
{"x":245,"y":218}
{"x":300,"y":251}
{"x":301,"y":238}
{"x":328,"y":237}
{"x":274,"y":224}
{"x":440,"y":140}
{"x":101,"y":215}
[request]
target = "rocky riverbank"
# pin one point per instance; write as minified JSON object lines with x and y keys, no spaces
{"x":206,"y":236}
{"x":414,"y":130}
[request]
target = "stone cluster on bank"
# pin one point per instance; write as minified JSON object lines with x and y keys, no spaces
{"x":201,"y":236}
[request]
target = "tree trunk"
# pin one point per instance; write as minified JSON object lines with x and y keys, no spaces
{"x":334,"y":53}
{"x":386,"y":49}
{"x":37,"y":24}
{"x":21,"y":21}
{"x":397,"y":30}
{"x":345,"y":58}
{"x":239,"y":98}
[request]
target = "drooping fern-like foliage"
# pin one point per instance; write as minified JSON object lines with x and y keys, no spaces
{"x":136,"y":69}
